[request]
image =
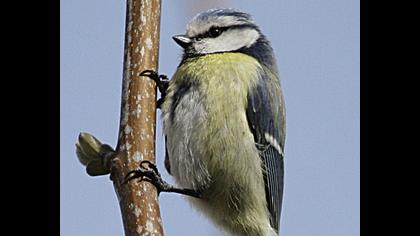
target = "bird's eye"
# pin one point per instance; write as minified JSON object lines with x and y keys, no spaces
{"x":214,"y":32}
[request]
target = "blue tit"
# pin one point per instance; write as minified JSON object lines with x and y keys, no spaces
{"x":224,"y":122}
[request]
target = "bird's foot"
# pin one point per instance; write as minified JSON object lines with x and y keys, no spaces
{"x":149,"y":172}
{"x":162,"y":83}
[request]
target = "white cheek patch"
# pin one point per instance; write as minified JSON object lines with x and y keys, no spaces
{"x":270,"y":139}
{"x":250,"y":37}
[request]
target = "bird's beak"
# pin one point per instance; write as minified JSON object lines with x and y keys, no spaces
{"x":182,"y":40}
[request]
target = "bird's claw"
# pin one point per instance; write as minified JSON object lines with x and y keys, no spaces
{"x":150,"y":165}
{"x":150,"y":73}
{"x":147,"y":172}
{"x":162,"y":83}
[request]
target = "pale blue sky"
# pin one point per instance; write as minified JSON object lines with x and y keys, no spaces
{"x":317,"y":47}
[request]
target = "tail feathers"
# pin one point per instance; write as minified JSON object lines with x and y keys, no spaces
{"x":272,"y":232}
{"x":269,"y":231}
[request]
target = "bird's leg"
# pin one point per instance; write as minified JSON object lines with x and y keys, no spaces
{"x":162,"y":83}
{"x":151,"y":174}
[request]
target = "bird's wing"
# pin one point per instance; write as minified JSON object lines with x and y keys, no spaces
{"x":266,"y":119}
{"x":167,"y":164}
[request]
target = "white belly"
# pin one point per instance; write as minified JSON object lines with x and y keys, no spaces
{"x":186,"y":165}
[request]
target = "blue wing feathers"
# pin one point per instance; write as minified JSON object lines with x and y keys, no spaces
{"x":264,"y":114}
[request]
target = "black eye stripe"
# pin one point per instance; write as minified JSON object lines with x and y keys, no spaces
{"x":209,"y":34}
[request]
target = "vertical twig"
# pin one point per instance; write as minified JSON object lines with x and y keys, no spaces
{"x":136,"y":141}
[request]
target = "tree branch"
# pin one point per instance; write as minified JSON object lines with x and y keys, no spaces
{"x":136,"y":142}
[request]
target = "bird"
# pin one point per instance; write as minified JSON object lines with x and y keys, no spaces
{"x":223,"y":114}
